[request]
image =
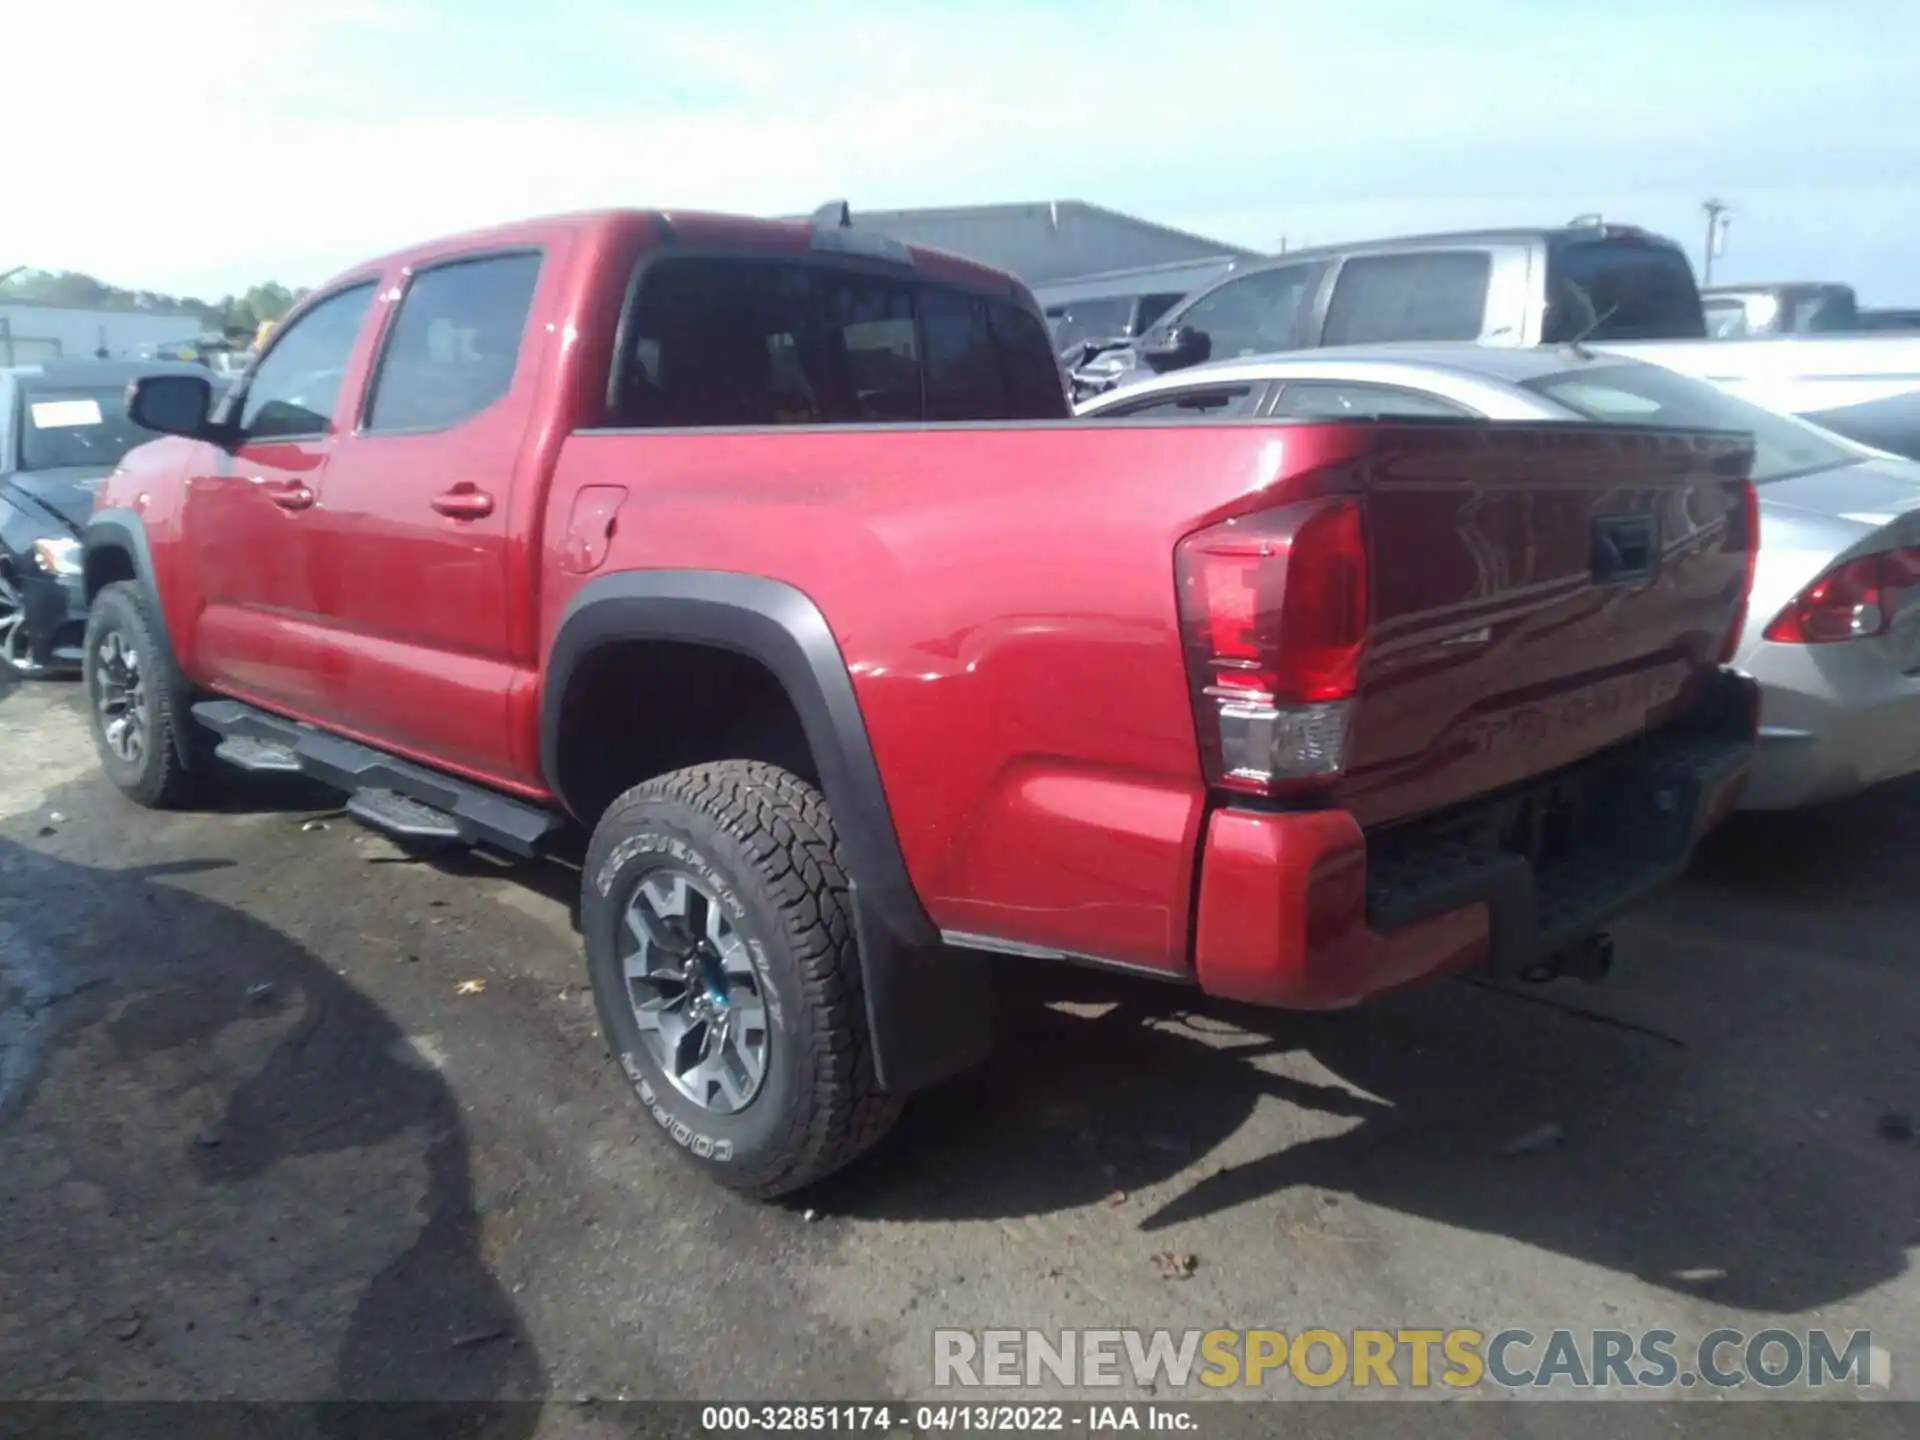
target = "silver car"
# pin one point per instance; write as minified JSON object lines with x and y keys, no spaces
{"x":1833,"y":630}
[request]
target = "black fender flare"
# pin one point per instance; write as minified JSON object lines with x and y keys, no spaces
{"x":123,"y":530}
{"x":928,"y":1007}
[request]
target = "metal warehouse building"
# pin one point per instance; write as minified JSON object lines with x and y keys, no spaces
{"x":31,"y":334}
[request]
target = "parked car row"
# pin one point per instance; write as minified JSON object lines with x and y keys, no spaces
{"x":1515,"y":288}
{"x":1747,"y":312}
{"x":1817,"y":355}
{"x":771,"y":558}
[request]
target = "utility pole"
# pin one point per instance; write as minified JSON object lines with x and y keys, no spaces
{"x":1719,"y":216}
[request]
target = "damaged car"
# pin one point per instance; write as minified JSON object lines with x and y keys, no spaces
{"x":63,"y":429}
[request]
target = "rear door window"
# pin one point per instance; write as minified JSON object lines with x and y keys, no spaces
{"x":1255,"y":314}
{"x":1422,"y":295}
{"x":455,"y":344}
{"x":1206,"y":402}
{"x":716,"y":341}
{"x":1339,"y":400}
{"x":1152,"y":307}
{"x":1620,"y":289}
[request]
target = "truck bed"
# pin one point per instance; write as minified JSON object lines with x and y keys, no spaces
{"x":1004,"y":598}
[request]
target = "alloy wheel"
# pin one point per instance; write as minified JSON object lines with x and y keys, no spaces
{"x":120,"y":697}
{"x":16,"y":644}
{"x":695,"y":991}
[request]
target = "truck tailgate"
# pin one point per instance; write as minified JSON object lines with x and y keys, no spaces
{"x":1539,"y":593}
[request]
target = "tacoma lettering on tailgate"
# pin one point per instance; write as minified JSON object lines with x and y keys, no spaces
{"x":1612,"y":706}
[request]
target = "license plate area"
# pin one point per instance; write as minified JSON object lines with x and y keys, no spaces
{"x":1554,"y":858}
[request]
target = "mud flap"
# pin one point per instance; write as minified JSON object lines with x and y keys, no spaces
{"x":929,"y":1007}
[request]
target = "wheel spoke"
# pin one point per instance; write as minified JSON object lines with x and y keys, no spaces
{"x":665,"y":1017}
{"x":749,"y":1011}
{"x":648,"y":927}
{"x":727,"y":1073}
{"x":643,"y":966}
{"x":697,"y":909}
{"x":690,"y":1049}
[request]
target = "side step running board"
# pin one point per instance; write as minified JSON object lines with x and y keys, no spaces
{"x":397,"y":796}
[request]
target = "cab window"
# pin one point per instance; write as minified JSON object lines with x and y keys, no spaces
{"x":295,"y":388}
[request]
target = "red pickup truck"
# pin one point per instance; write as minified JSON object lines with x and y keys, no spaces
{"x":769,"y":555}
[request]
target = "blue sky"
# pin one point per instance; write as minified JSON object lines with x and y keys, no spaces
{"x":262,"y":139}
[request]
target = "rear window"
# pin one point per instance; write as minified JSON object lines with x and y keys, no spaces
{"x":1621,"y":290}
{"x":1649,"y":395}
{"x":1435,"y":295}
{"x":735,"y":342}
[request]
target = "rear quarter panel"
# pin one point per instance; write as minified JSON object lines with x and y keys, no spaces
{"x":1004,"y":601}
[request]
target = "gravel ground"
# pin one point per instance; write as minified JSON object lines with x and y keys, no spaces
{"x":256,"y":1142}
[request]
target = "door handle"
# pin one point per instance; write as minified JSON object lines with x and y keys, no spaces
{"x":463,"y":502}
{"x":291,"y":497}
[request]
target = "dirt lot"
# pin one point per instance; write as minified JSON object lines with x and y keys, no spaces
{"x":254,"y":1141}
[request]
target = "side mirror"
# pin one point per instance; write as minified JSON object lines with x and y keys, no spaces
{"x":1177,"y":348}
{"x":171,"y":404}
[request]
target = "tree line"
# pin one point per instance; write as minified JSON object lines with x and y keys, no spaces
{"x":230,"y":314}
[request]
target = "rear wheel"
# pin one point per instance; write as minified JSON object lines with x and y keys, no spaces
{"x":16,"y":641}
{"x":720,"y":944}
{"x":131,"y":690}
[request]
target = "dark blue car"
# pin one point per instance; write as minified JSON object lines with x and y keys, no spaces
{"x":63,"y":428}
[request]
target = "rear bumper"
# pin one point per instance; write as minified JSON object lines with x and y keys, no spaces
{"x":1834,"y":720}
{"x":1304,"y":910}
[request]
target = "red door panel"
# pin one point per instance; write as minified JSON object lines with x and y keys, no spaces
{"x":416,"y":520}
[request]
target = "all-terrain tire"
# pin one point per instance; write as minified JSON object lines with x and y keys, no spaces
{"x":762,"y":841}
{"x":156,"y":778}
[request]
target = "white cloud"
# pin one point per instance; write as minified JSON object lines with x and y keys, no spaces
{"x":268,"y":138}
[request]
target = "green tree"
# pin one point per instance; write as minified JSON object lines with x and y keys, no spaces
{"x":267,"y":301}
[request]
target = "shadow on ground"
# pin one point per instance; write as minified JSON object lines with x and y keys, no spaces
{"x":228,"y":1164}
{"x":1694,"y":1153}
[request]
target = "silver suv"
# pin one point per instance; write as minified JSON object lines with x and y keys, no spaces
{"x":1586,"y":280}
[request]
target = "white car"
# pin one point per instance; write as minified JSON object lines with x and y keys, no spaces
{"x":1833,"y":628}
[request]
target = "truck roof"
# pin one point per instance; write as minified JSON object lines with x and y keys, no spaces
{"x":1512,"y":234}
{"x":699,"y":228}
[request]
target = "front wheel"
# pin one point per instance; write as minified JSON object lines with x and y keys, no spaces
{"x":131,"y":691}
{"x":16,"y":640}
{"x":720,"y":944}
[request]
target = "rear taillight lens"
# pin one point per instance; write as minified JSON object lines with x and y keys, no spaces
{"x":1746,"y":532}
{"x":1855,"y":600}
{"x":1273,"y":610}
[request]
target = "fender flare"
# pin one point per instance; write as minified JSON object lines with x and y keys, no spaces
{"x":928,"y":1007}
{"x":123,"y":530}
